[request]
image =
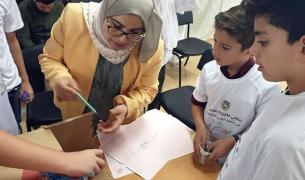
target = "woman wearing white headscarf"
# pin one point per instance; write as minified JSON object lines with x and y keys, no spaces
{"x":109,"y":52}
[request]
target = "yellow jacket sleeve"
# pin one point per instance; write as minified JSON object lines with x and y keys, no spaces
{"x":144,"y":90}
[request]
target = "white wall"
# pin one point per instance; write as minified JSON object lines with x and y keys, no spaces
{"x":203,"y":26}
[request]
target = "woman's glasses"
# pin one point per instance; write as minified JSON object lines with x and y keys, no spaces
{"x":116,"y":31}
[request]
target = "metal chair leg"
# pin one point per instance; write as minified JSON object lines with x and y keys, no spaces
{"x":187,"y":59}
{"x":179,"y":72}
{"x":28,"y":127}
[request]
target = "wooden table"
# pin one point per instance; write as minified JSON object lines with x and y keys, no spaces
{"x":179,"y":169}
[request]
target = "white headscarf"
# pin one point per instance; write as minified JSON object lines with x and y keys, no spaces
{"x":95,"y":13}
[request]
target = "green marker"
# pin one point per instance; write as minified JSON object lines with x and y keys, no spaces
{"x":86,"y":102}
{"x":96,"y":116}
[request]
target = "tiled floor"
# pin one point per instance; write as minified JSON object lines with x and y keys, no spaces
{"x":188,"y":76}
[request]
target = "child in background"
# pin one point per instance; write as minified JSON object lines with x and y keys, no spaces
{"x":273,"y":147}
{"x":230,"y":91}
{"x":12,"y":68}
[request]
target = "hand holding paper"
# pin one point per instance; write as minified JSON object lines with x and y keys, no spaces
{"x":220,"y":148}
{"x":200,"y":140}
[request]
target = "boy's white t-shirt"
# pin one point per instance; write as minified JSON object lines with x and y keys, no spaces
{"x":7,"y":117}
{"x":232,"y":104}
{"x":274,"y":146}
{"x":10,"y":21}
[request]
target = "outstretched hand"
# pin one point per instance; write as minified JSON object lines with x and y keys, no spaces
{"x":115,"y":119}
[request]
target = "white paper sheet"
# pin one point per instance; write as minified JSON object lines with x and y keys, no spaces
{"x":145,"y":145}
{"x":117,"y":169}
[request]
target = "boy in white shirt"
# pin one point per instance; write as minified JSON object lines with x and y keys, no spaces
{"x":12,"y":69}
{"x":274,"y":145}
{"x":230,"y":91}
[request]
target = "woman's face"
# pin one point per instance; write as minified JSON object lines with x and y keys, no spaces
{"x":124,"y":31}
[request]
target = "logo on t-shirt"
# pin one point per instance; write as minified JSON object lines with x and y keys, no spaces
{"x":225,"y":105}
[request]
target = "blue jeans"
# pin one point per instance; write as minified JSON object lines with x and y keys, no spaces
{"x":13,"y":96}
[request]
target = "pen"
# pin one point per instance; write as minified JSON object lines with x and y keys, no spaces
{"x":86,"y":102}
{"x":96,"y":116}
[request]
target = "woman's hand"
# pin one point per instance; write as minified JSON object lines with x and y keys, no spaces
{"x":116,"y":117}
{"x":220,"y":148}
{"x":66,"y":88}
{"x":200,"y":139}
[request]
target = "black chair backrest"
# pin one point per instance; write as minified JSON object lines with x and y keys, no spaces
{"x":36,"y":77}
{"x":185,"y":19}
{"x":206,"y":57}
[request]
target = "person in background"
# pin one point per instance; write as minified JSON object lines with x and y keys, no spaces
{"x":273,"y":147}
{"x":38,"y":17}
{"x":12,"y":69}
{"x":230,"y":92}
{"x":110,"y":52}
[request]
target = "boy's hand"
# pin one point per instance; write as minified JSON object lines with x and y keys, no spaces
{"x":200,"y":139}
{"x":66,"y":89}
{"x":26,"y":87}
{"x":220,"y":148}
{"x":82,"y":163}
{"x":116,"y":117}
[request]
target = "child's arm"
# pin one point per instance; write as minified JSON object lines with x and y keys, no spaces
{"x":201,"y":135}
{"x":199,"y":100}
{"x":16,"y":52}
{"x":18,"y":153}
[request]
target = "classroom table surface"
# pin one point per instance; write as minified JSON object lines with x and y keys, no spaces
{"x":179,"y":168}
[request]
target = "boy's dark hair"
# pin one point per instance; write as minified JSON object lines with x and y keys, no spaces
{"x":285,"y":14}
{"x":46,"y":1}
{"x":237,"y":24}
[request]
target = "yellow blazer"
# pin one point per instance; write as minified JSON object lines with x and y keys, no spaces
{"x":70,"y":52}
